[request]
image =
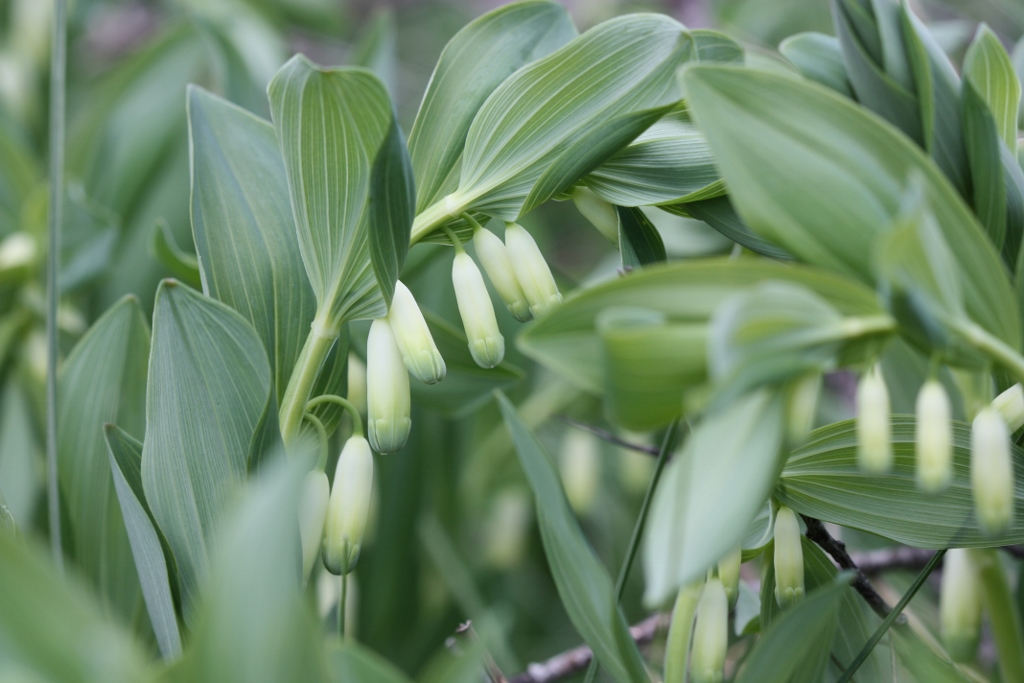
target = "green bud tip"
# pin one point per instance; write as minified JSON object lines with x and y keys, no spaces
{"x":789,"y":558}
{"x":710,"y":635}
{"x":494,"y":258}
{"x":312,"y":515}
{"x":960,"y":605}
{"x":349,"y":506}
{"x":874,"y":435}
{"x":485,"y":341}
{"x":600,"y":212}
{"x":387,"y":390}
{"x":934,"y":438}
{"x":419,"y":353}
{"x":729,"y":573}
{"x":992,"y":478}
{"x":531,"y":270}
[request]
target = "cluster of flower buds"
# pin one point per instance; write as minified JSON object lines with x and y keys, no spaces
{"x":960,"y":605}
{"x":874,"y":431}
{"x":789,"y":558}
{"x":349,"y":506}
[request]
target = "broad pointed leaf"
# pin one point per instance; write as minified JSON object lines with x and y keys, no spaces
{"x":639,"y":241}
{"x":819,"y":58}
{"x":988,"y":68}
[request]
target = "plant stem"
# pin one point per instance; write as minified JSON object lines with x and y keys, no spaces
{"x":888,"y":621}
{"x":342,"y":602}
{"x":435,"y":215}
{"x":321,"y":461}
{"x":999,"y":350}
{"x":638,"y":528}
{"x":353,"y":412}
{"x":304,"y":375}
{"x":1003,"y":616}
{"x":58,"y":79}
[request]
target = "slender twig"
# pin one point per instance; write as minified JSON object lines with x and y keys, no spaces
{"x":817,"y":532}
{"x":605,"y":435}
{"x":638,"y":529}
{"x":494,"y":673}
{"x":58,"y":78}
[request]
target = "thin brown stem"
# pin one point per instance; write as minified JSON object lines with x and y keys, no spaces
{"x":605,"y":435}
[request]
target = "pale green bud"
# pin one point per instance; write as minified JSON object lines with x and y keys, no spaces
{"x":729,"y":573}
{"x":316,"y":492}
{"x":387,"y":390}
{"x":580,"y":466}
{"x":349,"y":506}
{"x":1010,"y":405}
{"x":419,"y":352}
{"x":494,"y":258}
{"x":960,"y":605}
{"x":600,"y":212}
{"x":710,"y":635}
{"x":789,"y":558}
{"x":934,"y":437}
{"x":17,"y":252}
{"x":874,"y":432}
{"x":801,"y":406}
{"x":531,"y":270}
{"x":485,"y":340}
{"x":680,"y":632}
{"x":506,"y":529}
{"x":356,"y":393}
{"x":991,"y":471}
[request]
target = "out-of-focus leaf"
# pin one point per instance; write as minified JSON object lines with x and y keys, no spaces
{"x":981,"y":136}
{"x":987,"y":67}
{"x":103,"y":380}
{"x":639,"y":241}
{"x":925,"y":662}
{"x":713,"y":46}
{"x":480,"y":56}
{"x":822,"y":480}
{"x":151,"y":560}
{"x":819,"y":58}
{"x":209,"y":392}
{"x":720,"y":215}
{"x":20,"y":480}
{"x":18,"y":173}
{"x":712,"y":491}
{"x":446,"y":667}
{"x":183,"y":265}
{"x":583,"y":583}
{"x":351,"y":663}
{"x":88,"y":241}
{"x":376,"y":47}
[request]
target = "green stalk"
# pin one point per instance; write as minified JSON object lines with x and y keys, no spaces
{"x":435,"y":215}
{"x":58,"y":81}
{"x":341,"y":606}
{"x":1003,"y":616}
{"x":996,"y":348}
{"x":304,"y":375}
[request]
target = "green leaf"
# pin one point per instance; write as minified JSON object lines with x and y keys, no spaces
{"x":352,"y":663}
{"x":925,"y":661}
{"x":984,"y":155}
{"x":639,"y":241}
{"x":475,"y":62}
{"x":392,"y":208}
{"x":822,"y":480}
{"x":209,"y":392}
{"x":103,"y":380}
{"x":375,"y":49}
{"x":819,"y":58}
{"x":20,"y":453}
{"x":987,"y":67}
{"x":712,"y":491}
{"x":583,"y":583}
{"x":816,"y":174}
{"x":151,"y":557}
{"x":712,"y":46}
{"x":720,"y":215}
{"x":183,"y":265}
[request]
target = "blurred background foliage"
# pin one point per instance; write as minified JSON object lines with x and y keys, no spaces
{"x":454,"y":536}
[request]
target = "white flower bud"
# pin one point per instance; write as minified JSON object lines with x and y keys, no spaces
{"x":506,"y":529}
{"x":1010,"y":405}
{"x":419,"y":352}
{"x":710,"y":635}
{"x":494,"y":258}
{"x":874,"y":432}
{"x":801,"y":406}
{"x":580,"y":466}
{"x":960,"y":605}
{"x":934,"y":437}
{"x":680,"y":632}
{"x":789,"y":558}
{"x":312,"y":513}
{"x":729,"y":573}
{"x":17,"y":250}
{"x":600,"y":212}
{"x":349,"y":506}
{"x":387,"y":390}
{"x":531,"y":270}
{"x":485,"y":340}
{"x":991,"y":471}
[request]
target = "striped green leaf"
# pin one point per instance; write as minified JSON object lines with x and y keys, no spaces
{"x":353,"y":663}
{"x":819,"y":58}
{"x":987,"y":67}
{"x":639,"y":241}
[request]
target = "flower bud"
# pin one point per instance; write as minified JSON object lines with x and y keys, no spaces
{"x":991,"y":471}
{"x":801,"y":406}
{"x":387,"y":390}
{"x":600,"y":212}
{"x":729,"y":573}
{"x":960,"y":605}
{"x":710,"y":635}
{"x":934,"y":437}
{"x":789,"y":558}
{"x":419,"y":352}
{"x":506,"y":529}
{"x":485,"y":340}
{"x":17,"y":252}
{"x":356,"y":392}
{"x":1010,"y":405}
{"x":494,"y":258}
{"x":874,"y":450}
{"x":680,"y":631}
{"x":349,"y":506}
{"x":312,"y":514}
{"x":531,"y":270}
{"x":580,"y":465}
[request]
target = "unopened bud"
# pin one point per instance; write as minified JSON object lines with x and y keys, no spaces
{"x":580,"y":466}
{"x":991,"y":471}
{"x":387,"y":390}
{"x":600,"y":212}
{"x":17,"y":251}
{"x":349,"y":506}
{"x":419,"y":352}
{"x":874,"y":432}
{"x":485,"y":340}
{"x":312,"y":512}
{"x":710,"y":635}
{"x":680,"y":631}
{"x":531,"y":270}
{"x":934,"y":437}
{"x":1010,"y":405}
{"x":789,"y":558}
{"x":494,"y":258}
{"x":729,"y":573}
{"x":801,"y":406}
{"x":506,"y":529}
{"x":960,"y":605}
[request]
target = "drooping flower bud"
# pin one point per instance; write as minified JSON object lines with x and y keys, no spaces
{"x":991,"y":471}
{"x":960,"y":605}
{"x":600,"y":212}
{"x":531,"y":270}
{"x":485,"y":340}
{"x":710,"y":635}
{"x":419,"y":352}
{"x":349,"y":506}
{"x":801,"y":406}
{"x":680,"y":631}
{"x":934,"y":437}
{"x":312,"y":513}
{"x":17,"y":252}
{"x":387,"y":390}
{"x":494,"y":258}
{"x":1010,"y":405}
{"x":729,"y":573}
{"x":580,"y":466}
{"x":789,"y":558}
{"x":874,"y":432}
{"x":506,"y":529}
